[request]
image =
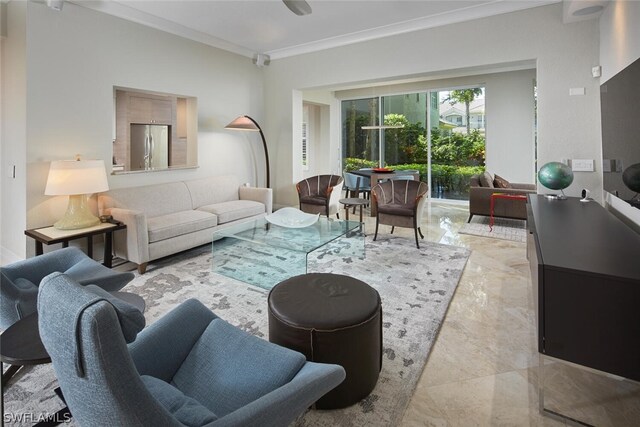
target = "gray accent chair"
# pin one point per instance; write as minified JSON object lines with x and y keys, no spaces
{"x":355,"y":185}
{"x":399,"y":203}
{"x":20,"y":280}
{"x":320,"y":194}
{"x":480,"y":190}
{"x":189,"y":368}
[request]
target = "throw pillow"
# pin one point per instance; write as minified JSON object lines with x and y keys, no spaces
{"x":500,"y":182}
{"x":486,"y":180}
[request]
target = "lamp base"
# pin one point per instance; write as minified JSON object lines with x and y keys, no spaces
{"x":78,"y":214}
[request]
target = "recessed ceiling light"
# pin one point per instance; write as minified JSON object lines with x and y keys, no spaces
{"x":588,"y":10}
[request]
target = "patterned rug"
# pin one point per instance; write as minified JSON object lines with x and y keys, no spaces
{"x":503,"y":228}
{"x":415,"y":286}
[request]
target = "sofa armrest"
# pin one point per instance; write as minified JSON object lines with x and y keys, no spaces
{"x":136,"y":247}
{"x":522,"y":186}
{"x":262,"y":195}
{"x":486,"y":192}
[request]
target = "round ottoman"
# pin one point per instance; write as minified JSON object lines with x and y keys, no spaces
{"x":331,"y":318}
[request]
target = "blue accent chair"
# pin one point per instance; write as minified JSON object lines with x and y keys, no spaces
{"x":355,"y":184}
{"x":189,"y":368}
{"x":20,"y":280}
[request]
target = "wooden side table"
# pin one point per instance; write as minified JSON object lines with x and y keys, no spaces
{"x":51,"y":235}
{"x":506,"y":196}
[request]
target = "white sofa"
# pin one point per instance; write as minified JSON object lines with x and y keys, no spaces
{"x":164,"y":219}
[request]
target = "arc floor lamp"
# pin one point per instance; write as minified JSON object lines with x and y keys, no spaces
{"x":246,"y":123}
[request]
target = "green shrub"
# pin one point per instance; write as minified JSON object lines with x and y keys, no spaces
{"x":449,"y":179}
{"x":353,"y":164}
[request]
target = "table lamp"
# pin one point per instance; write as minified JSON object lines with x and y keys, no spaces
{"x":246,"y":123}
{"x":77,"y":179}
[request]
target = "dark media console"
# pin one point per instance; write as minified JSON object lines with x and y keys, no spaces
{"x":585,"y":270}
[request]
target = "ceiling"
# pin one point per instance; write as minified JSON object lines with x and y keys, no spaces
{"x":248,"y":27}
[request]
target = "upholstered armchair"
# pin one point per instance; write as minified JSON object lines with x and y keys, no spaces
{"x":484,"y":185}
{"x":399,"y":203}
{"x":189,"y":368}
{"x":20,"y":280}
{"x":320,"y":194}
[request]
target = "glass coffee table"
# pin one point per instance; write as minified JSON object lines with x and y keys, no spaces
{"x":264,"y":254}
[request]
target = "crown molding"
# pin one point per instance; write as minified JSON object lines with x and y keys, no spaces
{"x":130,"y":14}
{"x":483,"y":10}
{"x":496,"y":7}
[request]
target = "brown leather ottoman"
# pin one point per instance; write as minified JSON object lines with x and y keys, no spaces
{"x":331,"y":318}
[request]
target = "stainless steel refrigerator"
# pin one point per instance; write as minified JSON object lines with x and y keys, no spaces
{"x":149,"y":147}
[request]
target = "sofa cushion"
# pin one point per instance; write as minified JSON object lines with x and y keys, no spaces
{"x":186,"y":410}
{"x":179,"y":223}
{"x":314,"y":200}
{"x":231,"y":211}
{"x":153,"y":200}
{"x":500,"y":182}
{"x":486,"y":180}
{"x":399,"y":209}
{"x":215,"y":189}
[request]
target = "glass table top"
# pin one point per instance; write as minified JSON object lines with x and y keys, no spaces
{"x":265,"y":254}
{"x":305,"y":239}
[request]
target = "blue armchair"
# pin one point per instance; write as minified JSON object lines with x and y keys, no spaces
{"x":188,"y":368}
{"x":20,"y":280}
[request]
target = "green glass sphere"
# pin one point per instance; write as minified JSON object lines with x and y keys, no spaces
{"x":631,"y":177}
{"x":555,"y":176}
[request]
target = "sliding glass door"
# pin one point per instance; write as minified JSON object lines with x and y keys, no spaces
{"x":360,"y":147}
{"x":439,"y":133}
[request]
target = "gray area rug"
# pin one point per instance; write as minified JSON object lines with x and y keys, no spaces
{"x":415,"y":286}
{"x":503,"y":228}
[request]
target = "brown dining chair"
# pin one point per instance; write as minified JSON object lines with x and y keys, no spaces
{"x":320,"y":194}
{"x":399,"y":203}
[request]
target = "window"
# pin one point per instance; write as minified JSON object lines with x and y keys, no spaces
{"x":407,"y":131}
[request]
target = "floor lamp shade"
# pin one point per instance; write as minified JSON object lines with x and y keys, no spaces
{"x":77,"y":179}
{"x":246,"y":123}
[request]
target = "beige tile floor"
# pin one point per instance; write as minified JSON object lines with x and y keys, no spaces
{"x":483,"y":368}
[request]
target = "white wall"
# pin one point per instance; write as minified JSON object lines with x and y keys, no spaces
{"x":568,"y":127}
{"x":619,"y":47}
{"x":510,"y":116}
{"x":73,"y":60}
{"x":13,"y":148}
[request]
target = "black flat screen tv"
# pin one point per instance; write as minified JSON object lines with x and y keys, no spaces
{"x":620,"y":111}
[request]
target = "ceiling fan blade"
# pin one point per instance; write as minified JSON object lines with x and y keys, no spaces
{"x":299,"y":7}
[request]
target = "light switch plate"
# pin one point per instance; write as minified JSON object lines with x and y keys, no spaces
{"x":576,"y":91}
{"x":582,"y":165}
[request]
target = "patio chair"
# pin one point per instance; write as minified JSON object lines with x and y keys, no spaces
{"x":320,"y":194}
{"x":399,"y":203}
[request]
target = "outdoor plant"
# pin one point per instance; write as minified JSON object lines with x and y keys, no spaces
{"x":455,"y":156}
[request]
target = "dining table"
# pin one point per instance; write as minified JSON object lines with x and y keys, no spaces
{"x":376,"y":176}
